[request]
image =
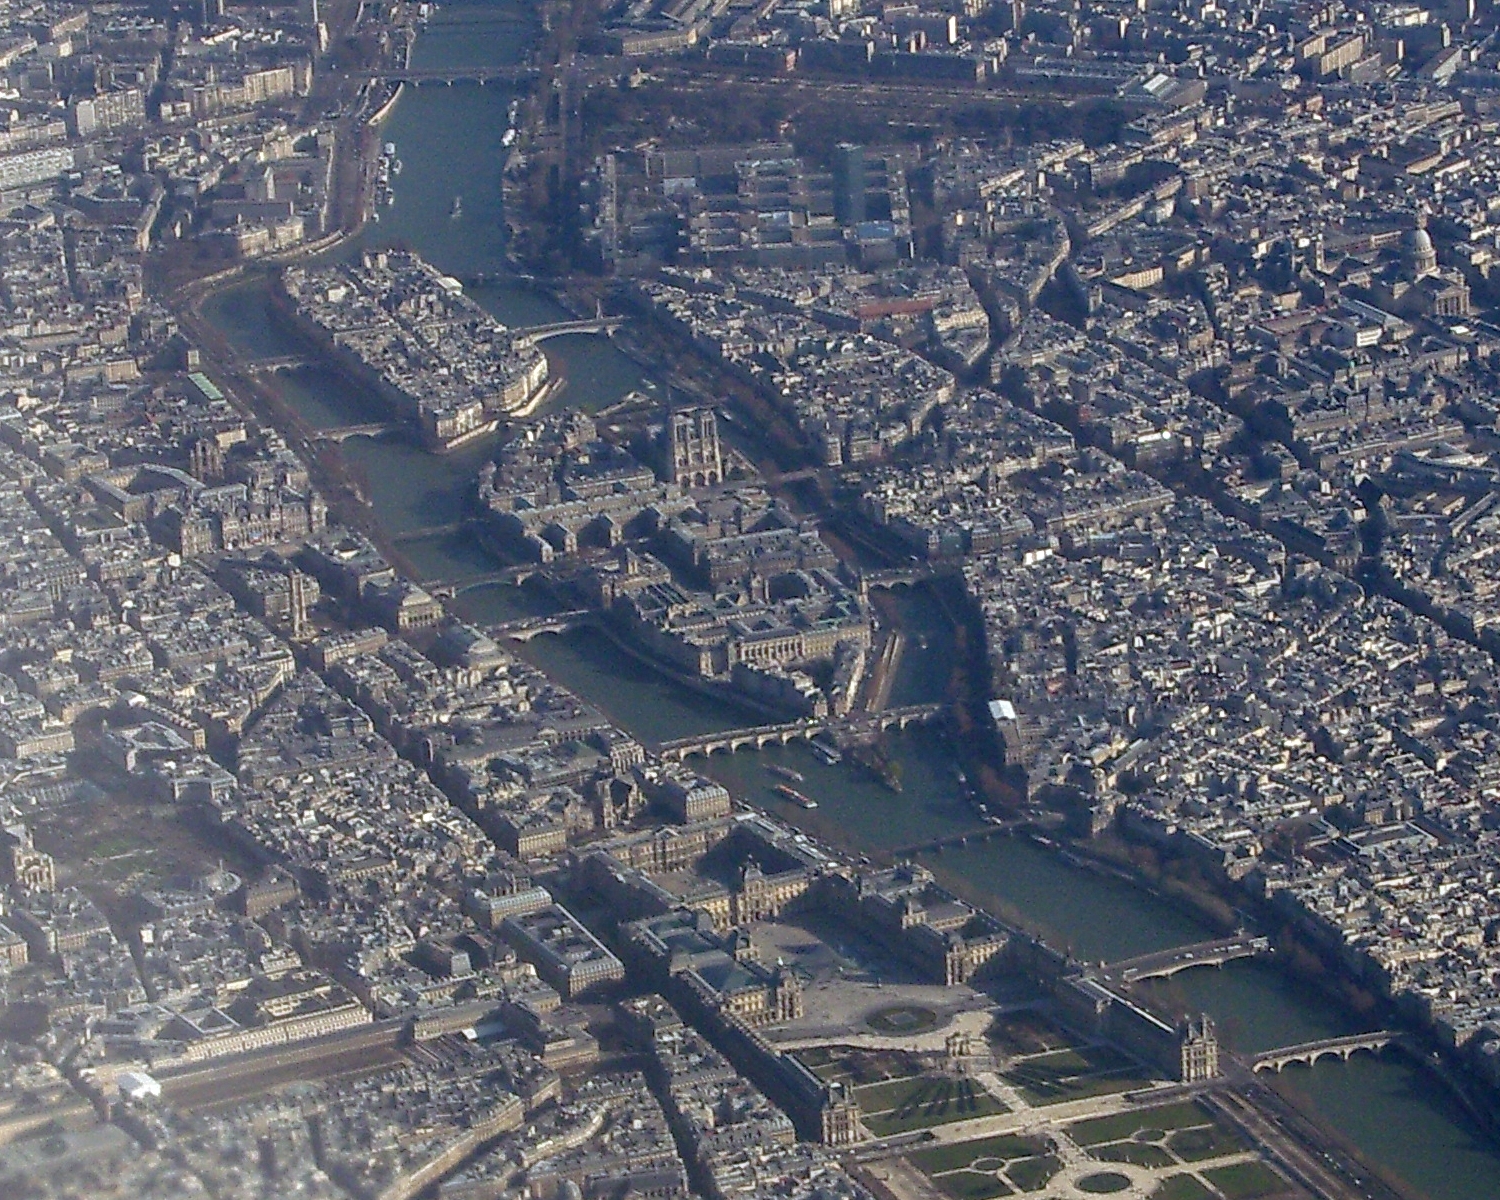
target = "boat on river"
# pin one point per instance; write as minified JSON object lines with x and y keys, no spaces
{"x":786,"y":773}
{"x":796,"y":797}
{"x":827,"y":751}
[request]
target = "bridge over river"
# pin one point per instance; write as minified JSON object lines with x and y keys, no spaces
{"x":1165,"y":963}
{"x":532,"y":334}
{"x":525,"y":628}
{"x":511,"y":74}
{"x":955,"y":841}
{"x":897,"y":576}
{"x":279,"y":362}
{"x":370,"y":429}
{"x":759,"y":736}
{"x":448,"y":589}
{"x":1308,"y":1053}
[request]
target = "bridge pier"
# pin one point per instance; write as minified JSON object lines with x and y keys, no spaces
{"x":1308,"y":1053}
{"x":1166,"y":963}
{"x":531,"y":335}
{"x":765,"y":735}
{"x":417,"y":76}
{"x":529,"y":627}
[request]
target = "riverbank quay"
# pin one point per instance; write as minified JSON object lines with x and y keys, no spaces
{"x":249,"y":389}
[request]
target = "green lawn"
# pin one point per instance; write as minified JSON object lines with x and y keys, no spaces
{"x":1069,"y":1060}
{"x":1246,"y":1181}
{"x":1194,"y":1145}
{"x":1139,"y":1153}
{"x":1033,"y":1174}
{"x":972,"y":1185}
{"x":112,"y":845}
{"x":1073,"y":1074}
{"x":1182,"y":1187}
{"x":1026,"y":1033}
{"x":860,"y":1066}
{"x":824,"y":1063}
{"x":881,"y":1097}
{"x":1002,"y":1148}
{"x":994,"y":1166}
{"x":1092,"y":1085}
{"x":906,"y":1104}
{"x":871,"y":1066}
{"x":1126,"y":1125}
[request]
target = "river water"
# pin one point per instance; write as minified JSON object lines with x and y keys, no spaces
{"x":449,"y":141}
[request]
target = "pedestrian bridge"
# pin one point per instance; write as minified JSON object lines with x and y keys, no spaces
{"x":958,"y":841}
{"x":1309,"y":1052}
{"x":1166,"y":963}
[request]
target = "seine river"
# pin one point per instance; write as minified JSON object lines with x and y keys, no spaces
{"x":449,"y":141}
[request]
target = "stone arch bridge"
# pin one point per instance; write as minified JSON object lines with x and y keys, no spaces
{"x":760,"y":736}
{"x":1308,"y":1053}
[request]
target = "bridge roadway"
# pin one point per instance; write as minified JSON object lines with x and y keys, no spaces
{"x":1293,"y":1142}
{"x":893,"y":577}
{"x":343,"y":433}
{"x":531,"y":334}
{"x":526,"y":628}
{"x":1309,"y":1052}
{"x":760,"y":736}
{"x":282,"y":362}
{"x":954,"y":840}
{"x":1166,"y":963}
{"x":513,"y":74}
{"x":429,"y":531}
{"x":447,"y":589}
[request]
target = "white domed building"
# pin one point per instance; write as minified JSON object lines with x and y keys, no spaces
{"x":1414,"y":284}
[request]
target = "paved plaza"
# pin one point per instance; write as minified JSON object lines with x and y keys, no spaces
{"x":848,"y":983}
